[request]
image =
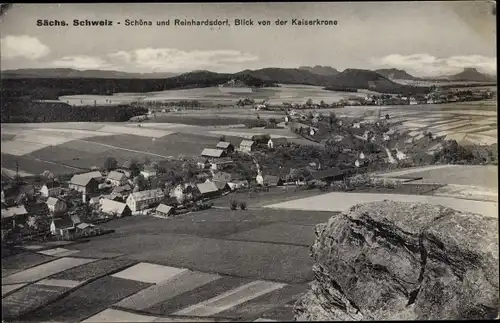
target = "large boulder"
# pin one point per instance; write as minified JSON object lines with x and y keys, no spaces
{"x":403,"y":261}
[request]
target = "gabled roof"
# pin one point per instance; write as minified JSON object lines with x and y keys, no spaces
{"x":222,"y":160}
{"x":94,"y":174}
{"x":53,"y":201}
{"x":116,"y":176}
{"x":247,"y":143}
{"x":210,"y":152}
{"x":127,"y":164}
{"x":52,"y":184}
{"x":223,"y":144}
{"x":75,"y":218}
{"x":83,"y":225}
{"x":164,"y":208}
{"x":80,"y":180}
{"x":13,"y":211}
{"x":63,"y":223}
{"x":110,"y":206}
{"x":220,"y":185}
{"x":208,"y":187}
{"x":144,"y":195}
{"x":122,"y":188}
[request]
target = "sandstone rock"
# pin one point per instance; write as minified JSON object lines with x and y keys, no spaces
{"x":403,"y":261}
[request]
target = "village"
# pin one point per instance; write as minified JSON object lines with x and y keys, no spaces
{"x":71,"y":207}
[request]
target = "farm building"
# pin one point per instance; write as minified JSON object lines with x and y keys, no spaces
{"x":117,"y":178}
{"x":122,"y":190}
{"x":51,"y":188}
{"x":115,"y":208}
{"x":56,"y":205}
{"x":329,"y":175}
{"x":62,"y":226}
{"x":164,"y":210}
{"x":213,"y":153}
{"x":221,"y":177}
{"x":261,"y":139}
{"x":208,"y":189}
{"x":247,"y":146}
{"x":226,"y":146}
{"x":270,"y":180}
{"x":222,"y":186}
{"x":14,"y":215}
{"x":220,"y":163}
{"x":183,"y":189}
{"x":84,"y":184}
{"x":148,"y":172}
{"x":237,"y":184}
{"x":276,"y":142}
{"x":144,"y":199}
{"x":202,"y":163}
{"x":95,"y":175}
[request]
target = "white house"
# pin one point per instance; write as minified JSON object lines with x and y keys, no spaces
{"x":413,"y":101}
{"x":56,"y":205}
{"x":312,"y":132}
{"x":115,"y":208}
{"x":259,"y":178}
{"x":138,"y":201}
{"x":51,"y":188}
{"x":148,"y":172}
{"x":247,"y":145}
{"x":356,"y":125}
{"x":361,"y":155}
{"x":117,"y":178}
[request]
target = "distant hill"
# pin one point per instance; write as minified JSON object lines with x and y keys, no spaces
{"x":472,"y":74}
{"x":320,"y":70}
{"x":288,"y":76}
{"x":369,"y":80}
{"x":395,"y":74}
{"x":72,"y":73}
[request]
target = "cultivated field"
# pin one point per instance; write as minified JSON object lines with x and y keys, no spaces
{"x":214,"y":96}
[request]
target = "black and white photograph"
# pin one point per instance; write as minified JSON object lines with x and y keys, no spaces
{"x":249,"y":162}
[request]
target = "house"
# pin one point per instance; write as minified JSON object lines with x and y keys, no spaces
{"x":247,"y":145}
{"x":270,"y":180}
{"x":329,"y":175}
{"x":202,"y":163}
{"x":222,"y":186}
{"x":220,"y":163}
{"x":56,"y":205}
{"x":148,"y":172}
{"x":164,"y":210}
{"x":84,"y":183}
{"x":51,"y":188}
{"x":237,"y":184}
{"x":259,"y":178}
{"x":356,"y":125}
{"x":115,"y":208}
{"x":122,"y":190}
{"x":208,"y":189}
{"x":276,"y":142}
{"x":213,"y":153}
{"x":117,"y":178}
{"x":14,"y":215}
{"x":226,"y":146}
{"x":183,"y":190}
{"x":95,"y":175}
{"x":221,"y":177}
{"x":62,"y":226}
{"x":358,"y":163}
{"x":138,"y":201}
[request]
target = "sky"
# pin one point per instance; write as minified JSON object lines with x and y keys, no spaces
{"x":424,"y":38}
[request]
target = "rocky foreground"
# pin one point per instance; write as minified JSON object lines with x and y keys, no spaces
{"x":403,"y":261}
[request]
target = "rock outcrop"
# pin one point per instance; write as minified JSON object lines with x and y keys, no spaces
{"x":403,"y":261}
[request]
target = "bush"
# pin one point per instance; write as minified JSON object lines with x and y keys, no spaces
{"x":233,"y":205}
{"x":243,"y":205}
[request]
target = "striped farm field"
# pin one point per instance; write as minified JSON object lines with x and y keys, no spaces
{"x":87,"y":300}
{"x":34,"y":166}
